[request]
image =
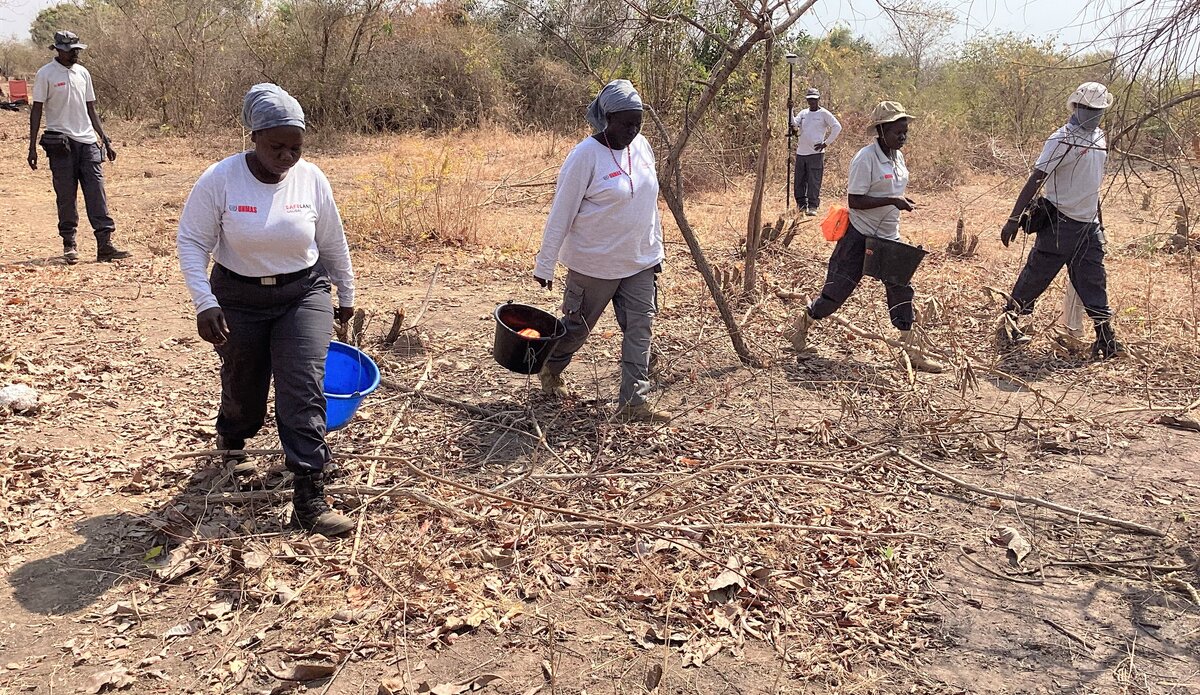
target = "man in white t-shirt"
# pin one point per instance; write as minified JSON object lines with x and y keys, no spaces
{"x":72,"y":140}
{"x":1066,"y":221}
{"x":816,"y":128}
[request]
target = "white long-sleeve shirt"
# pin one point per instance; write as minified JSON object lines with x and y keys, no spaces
{"x":259,"y":229}
{"x":604,"y":221}
{"x":814,"y":128}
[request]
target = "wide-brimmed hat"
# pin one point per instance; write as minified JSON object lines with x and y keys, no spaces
{"x":1093,"y":95}
{"x":67,"y":41}
{"x":887,"y":112}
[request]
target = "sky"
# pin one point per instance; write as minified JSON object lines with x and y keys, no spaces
{"x":1069,"y":20}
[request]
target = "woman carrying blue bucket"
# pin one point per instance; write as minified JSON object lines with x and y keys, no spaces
{"x":604,"y":227}
{"x":876,"y":185}
{"x":268,"y":221}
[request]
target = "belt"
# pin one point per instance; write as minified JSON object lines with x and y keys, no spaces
{"x":269,"y":280}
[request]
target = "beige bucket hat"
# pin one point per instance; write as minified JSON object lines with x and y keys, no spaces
{"x":887,"y":112}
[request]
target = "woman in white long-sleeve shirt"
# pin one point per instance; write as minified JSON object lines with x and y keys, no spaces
{"x":268,"y":221}
{"x":604,"y":227}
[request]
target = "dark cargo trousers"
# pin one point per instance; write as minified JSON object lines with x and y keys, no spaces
{"x":635,"y":302}
{"x":279,"y":332}
{"x":70,"y":171}
{"x":1080,"y":247}
{"x":845,"y":272}
{"x":810,"y":170}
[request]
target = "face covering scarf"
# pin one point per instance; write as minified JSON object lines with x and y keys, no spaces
{"x":1088,"y":119}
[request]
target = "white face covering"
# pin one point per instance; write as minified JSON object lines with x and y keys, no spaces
{"x":1088,"y":119}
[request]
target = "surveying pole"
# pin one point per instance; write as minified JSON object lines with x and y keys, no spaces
{"x":792,"y":59}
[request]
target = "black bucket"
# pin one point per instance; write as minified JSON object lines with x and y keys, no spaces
{"x":516,"y":352}
{"x":892,"y":261}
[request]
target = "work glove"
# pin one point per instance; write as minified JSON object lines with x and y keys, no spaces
{"x":344,"y":313}
{"x":546,"y":284}
{"x":1009,"y":232}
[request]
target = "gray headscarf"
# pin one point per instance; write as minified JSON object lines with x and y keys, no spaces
{"x":269,"y":106}
{"x":618,"y":95}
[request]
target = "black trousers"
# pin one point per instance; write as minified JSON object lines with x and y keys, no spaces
{"x":1080,"y":247}
{"x":70,"y":171}
{"x":810,"y":169}
{"x":279,"y":333}
{"x":845,"y":271}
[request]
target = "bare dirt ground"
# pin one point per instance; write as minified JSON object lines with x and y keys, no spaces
{"x":768,"y":540}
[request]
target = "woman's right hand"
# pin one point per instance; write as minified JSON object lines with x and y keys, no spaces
{"x":546,"y":284}
{"x":211,"y":326}
{"x":904,"y":204}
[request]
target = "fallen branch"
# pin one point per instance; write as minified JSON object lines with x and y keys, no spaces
{"x":1036,"y":501}
{"x":442,"y":400}
{"x":868,"y":335}
{"x":355,"y":490}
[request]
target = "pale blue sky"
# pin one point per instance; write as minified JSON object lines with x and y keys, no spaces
{"x":1070,"y":20}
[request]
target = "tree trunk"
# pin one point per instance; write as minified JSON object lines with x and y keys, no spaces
{"x":754,"y":218}
{"x":674,"y":200}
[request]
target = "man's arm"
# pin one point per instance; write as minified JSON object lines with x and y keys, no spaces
{"x":1036,"y":177}
{"x":95,"y":119}
{"x":35,"y":123}
{"x":1031,"y":188}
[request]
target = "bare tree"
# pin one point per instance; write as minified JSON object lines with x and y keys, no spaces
{"x":754,"y":218}
{"x":920,"y":29}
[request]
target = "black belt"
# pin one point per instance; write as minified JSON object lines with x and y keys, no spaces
{"x":269,"y":280}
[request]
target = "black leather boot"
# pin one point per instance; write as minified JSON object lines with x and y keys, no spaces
{"x":105,"y":251}
{"x":1107,"y":346}
{"x":310,"y":511}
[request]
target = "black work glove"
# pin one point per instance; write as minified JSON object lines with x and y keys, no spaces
{"x":1009,"y":232}
{"x":546,"y":284}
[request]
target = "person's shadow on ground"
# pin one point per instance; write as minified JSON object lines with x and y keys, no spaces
{"x":129,"y":547}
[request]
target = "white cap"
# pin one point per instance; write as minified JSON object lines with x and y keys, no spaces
{"x":1093,"y":95}
{"x":812,"y":93}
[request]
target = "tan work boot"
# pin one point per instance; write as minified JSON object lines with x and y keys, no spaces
{"x":921,"y":361}
{"x":234,"y":459}
{"x":1009,"y":332}
{"x":311,"y":512}
{"x":642,"y":412}
{"x":798,"y":335}
{"x":552,"y":384}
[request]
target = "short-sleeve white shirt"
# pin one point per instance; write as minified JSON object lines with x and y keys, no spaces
{"x":873,"y":173}
{"x":1073,"y":160}
{"x":65,"y":93}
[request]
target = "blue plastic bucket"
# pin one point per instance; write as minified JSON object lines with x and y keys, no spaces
{"x":349,"y":376}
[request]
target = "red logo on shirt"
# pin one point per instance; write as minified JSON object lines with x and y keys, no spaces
{"x":887,"y":176}
{"x":613,"y":175}
{"x":60,"y":84}
{"x":243,"y":208}
{"x":297,"y":207}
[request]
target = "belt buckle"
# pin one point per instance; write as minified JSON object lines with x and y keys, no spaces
{"x":267,"y":281}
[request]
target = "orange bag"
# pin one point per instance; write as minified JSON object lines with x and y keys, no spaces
{"x":836,"y":223}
